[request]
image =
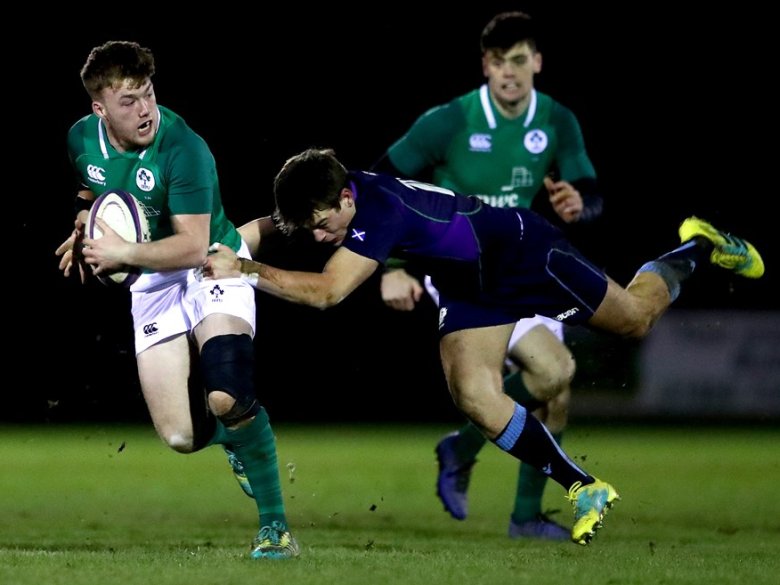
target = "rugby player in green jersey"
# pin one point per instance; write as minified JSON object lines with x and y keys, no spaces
{"x":502,"y":141}
{"x":131,"y":143}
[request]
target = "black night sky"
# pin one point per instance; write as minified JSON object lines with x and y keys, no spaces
{"x":677,"y":110}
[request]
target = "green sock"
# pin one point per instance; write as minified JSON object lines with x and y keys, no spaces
{"x":470,"y":438}
{"x":530,"y":487}
{"x":470,"y":442}
{"x":255,"y":446}
{"x":220,"y":434}
{"x":515,"y":388}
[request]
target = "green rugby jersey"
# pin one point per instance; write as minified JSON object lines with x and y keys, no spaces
{"x":174,"y":175}
{"x":472,"y":149}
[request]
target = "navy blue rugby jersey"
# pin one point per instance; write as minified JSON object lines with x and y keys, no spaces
{"x":510,"y":262}
{"x":470,"y":249}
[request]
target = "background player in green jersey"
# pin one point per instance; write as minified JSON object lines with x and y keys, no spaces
{"x":129,"y":142}
{"x":502,"y":141}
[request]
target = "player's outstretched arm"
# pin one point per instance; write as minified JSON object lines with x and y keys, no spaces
{"x":343,"y":273}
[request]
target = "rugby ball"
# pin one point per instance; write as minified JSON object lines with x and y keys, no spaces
{"x":123,"y":214}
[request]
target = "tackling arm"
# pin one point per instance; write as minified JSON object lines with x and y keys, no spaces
{"x":342,"y":274}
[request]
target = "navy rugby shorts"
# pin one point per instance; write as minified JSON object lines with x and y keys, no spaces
{"x":539,"y":272}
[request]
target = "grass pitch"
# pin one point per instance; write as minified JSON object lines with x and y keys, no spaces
{"x":106,"y":504}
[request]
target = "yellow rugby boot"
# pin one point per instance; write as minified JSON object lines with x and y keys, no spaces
{"x":729,"y":252}
{"x":590,"y":503}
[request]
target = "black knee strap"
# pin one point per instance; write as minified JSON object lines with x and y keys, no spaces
{"x":227,"y":364}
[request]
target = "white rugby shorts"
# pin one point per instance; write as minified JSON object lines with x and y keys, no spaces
{"x":168,"y":303}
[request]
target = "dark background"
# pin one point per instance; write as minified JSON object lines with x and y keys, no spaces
{"x":677,"y":108}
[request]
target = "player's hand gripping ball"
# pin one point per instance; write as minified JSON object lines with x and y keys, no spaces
{"x":123,"y":214}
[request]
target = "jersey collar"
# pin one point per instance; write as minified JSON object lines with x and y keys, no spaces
{"x":490,"y":115}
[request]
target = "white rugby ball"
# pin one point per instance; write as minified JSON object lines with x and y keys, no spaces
{"x":123,"y":214}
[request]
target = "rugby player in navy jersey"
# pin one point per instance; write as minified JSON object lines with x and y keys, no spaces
{"x":501,"y":142}
{"x":492,"y":266}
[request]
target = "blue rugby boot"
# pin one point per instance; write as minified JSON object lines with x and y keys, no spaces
{"x":452,"y":483}
{"x":541,"y":527}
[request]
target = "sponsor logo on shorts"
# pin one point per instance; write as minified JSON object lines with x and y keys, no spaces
{"x":566,"y":314}
{"x":150,"y":329}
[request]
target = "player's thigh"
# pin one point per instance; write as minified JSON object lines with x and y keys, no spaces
{"x":541,"y":352}
{"x":163,"y":370}
{"x":473,"y":358}
{"x":523,"y":326}
{"x":217,"y":324}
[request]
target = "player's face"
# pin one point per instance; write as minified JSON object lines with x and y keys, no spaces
{"x":330,"y":225}
{"x":510,"y":76}
{"x":130,"y":114}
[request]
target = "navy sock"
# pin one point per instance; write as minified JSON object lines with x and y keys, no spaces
{"x":529,"y":440}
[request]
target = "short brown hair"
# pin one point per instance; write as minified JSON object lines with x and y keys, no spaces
{"x":113,"y":62}
{"x":309,"y":181}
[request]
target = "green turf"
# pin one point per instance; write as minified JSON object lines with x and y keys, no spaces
{"x":110,"y":504}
